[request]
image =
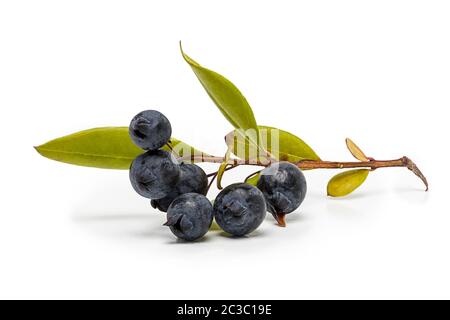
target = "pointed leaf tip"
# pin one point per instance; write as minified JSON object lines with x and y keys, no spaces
{"x":225,"y":95}
{"x":107,"y":148}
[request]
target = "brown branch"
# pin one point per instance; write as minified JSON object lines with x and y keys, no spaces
{"x":209,"y":175}
{"x":234,"y":162}
{"x":319,"y":164}
{"x":373,"y":164}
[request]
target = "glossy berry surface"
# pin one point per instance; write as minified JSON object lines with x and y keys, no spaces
{"x":150,"y":130}
{"x":154,"y":173}
{"x":239,"y":209}
{"x":190,"y":216}
{"x":284,"y":187}
{"x":192,"y":180}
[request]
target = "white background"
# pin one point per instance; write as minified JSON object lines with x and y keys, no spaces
{"x":375,"y":71}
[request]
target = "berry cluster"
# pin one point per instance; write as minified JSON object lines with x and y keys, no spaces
{"x":180,"y":189}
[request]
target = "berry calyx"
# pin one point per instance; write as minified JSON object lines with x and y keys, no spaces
{"x":190,"y":216}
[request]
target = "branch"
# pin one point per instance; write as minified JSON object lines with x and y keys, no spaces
{"x":318,"y":164}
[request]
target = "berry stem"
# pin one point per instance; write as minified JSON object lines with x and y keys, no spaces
{"x":209,"y":175}
{"x":212,"y":181}
{"x":281,"y":219}
{"x":372,"y":164}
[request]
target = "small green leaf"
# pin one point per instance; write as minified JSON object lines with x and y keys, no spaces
{"x":225,"y":95}
{"x":108,"y":148}
{"x":346,"y":182}
{"x":214,"y":226}
{"x":355,"y":150}
{"x":253,"y":180}
{"x":282,"y":145}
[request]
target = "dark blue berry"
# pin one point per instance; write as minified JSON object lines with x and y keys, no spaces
{"x":192,"y":180}
{"x":150,"y":130}
{"x":284,"y":187}
{"x":239,"y":209}
{"x":154,"y":173}
{"x":190,"y":216}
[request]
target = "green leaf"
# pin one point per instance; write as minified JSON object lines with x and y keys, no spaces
{"x":346,"y":182}
{"x":214,"y":226}
{"x":225,"y":95}
{"x":108,"y":148}
{"x":355,"y":150}
{"x":282,"y":145}
{"x":253,"y":180}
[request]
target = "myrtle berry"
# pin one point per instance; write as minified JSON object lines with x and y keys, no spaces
{"x":284,"y":187}
{"x":190,"y":216}
{"x":154,"y":173}
{"x":239,"y":209}
{"x":192,"y":180}
{"x":150,"y":130}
